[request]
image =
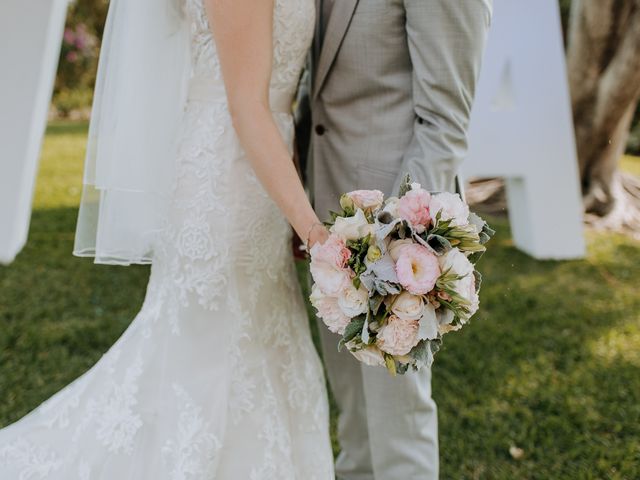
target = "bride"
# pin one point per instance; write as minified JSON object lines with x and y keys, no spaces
{"x":189,"y":164}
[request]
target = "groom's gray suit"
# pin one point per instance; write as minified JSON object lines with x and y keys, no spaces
{"x":392,"y":83}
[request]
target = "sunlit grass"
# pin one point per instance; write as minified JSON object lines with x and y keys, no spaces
{"x":550,"y":365}
{"x":630,"y":164}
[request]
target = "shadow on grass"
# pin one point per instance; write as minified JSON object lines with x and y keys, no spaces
{"x":528,"y":371}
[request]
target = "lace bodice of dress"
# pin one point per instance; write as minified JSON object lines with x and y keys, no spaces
{"x":293,"y":26}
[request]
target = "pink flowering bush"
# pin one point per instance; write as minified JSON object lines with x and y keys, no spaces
{"x":396,"y":275}
{"x":79,"y":52}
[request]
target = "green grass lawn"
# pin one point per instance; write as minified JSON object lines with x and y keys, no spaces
{"x":631,"y":164}
{"x":550,"y":365}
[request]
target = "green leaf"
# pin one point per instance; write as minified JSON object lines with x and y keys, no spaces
{"x":333,"y":216}
{"x":402,"y":368}
{"x":478,"y":277}
{"x":405,"y":186}
{"x":488,"y":231}
{"x":353,"y":329}
{"x":375,"y":303}
{"x":390,"y":363}
{"x":475,"y":256}
{"x":364,"y":334}
{"x":439,"y":243}
{"x":423,"y":353}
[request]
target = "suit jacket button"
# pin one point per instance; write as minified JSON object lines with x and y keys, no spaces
{"x":320,"y":130}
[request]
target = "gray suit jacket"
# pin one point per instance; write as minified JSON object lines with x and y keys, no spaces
{"x":390,"y":92}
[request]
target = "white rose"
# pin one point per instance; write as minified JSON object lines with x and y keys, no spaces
{"x":451,"y":207}
{"x":352,"y":228}
{"x":457,"y":261}
{"x":408,"y":307}
{"x":353,"y":301}
{"x":396,"y":246}
{"x":467,"y":289}
{"x":370,"y":355}
{"x":466,"y":286}
{"x":329,"y":311}
{"x":391,"y":206}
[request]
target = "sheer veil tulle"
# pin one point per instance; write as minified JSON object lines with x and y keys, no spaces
{"x":139,"y":97}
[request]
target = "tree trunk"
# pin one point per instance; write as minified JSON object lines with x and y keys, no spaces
{"x":604,"y":76}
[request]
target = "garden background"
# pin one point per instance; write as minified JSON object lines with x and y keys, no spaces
{"x":545,"y":384}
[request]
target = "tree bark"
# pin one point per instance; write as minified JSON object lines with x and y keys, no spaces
{"x":604,"y":76}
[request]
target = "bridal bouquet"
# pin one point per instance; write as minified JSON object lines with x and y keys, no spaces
{"x":396,"y":275}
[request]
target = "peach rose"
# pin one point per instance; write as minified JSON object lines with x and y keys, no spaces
{"x":366,"y":199}
{"x":353,"y":301}
{"x":398,"y":336}
{"x":329,"y":265}
{"x":417,"y":269}
{"x":408,"y":307}
{"x":414,"y":208}
{"x":329,"y":311}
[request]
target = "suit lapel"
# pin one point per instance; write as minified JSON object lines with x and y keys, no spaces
{"x":318,"y":32}
{"x":341,"y":15}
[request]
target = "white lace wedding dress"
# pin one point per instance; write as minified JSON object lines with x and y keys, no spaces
{"x":217,"y":377}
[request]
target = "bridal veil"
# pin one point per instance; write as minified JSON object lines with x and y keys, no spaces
{"x":138,"y":102}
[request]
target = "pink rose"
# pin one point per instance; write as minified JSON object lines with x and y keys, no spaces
{"x":398,"y":336}
{"x":329,"y":311}
{"x":329,"y":265}
{"x":367,"y":199}
{"x":417,"y":269}
{"x":414,"y":208}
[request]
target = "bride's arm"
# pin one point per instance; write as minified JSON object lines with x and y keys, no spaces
{"x":242,"y":31}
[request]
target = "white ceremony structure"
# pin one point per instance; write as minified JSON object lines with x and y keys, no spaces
{"x":521,"y":125}
{"x":30,"y":37}
{"x":522,"y":129}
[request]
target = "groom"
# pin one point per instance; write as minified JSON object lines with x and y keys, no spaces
{"x":390,"y":92}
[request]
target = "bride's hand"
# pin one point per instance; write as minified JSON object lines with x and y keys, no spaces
{"x":317,"y":234}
